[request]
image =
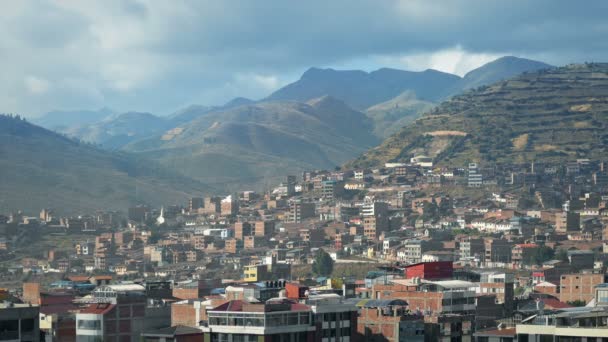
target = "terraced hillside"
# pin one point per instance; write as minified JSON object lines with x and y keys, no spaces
{"x":550,"y":115}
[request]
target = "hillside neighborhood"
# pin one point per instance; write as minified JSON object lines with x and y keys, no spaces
{"x":405,"y":252}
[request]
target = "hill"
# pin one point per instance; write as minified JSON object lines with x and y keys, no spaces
{"x":392,"y":97}
{"x":549,"y":115}
{"x":360,"y":89}
{"x":115,"y":132}
{"x":397,"y":112}
{"x":497,"y":70}
{"x":62,"y":119}
{"x":256,"y":144}
{"x":42,"y":169}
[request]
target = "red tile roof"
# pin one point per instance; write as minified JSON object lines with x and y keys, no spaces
{"x":555,"y":304}
{"x":98,"y":309}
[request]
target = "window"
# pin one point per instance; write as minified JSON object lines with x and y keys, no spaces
{"x":89,"y":324}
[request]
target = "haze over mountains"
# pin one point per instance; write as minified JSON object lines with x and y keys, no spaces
{"x":324,"y":119}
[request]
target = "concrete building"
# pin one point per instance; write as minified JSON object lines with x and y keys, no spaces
{"x":120,"y":313}
{"x":584,"y":324}
{"x":240,"y":321}
{"x":299,"y":210}
{"x":474,"y":177}
{"x":471,"y":248}
{"x":19,"y":322}
{"x":498,"y":251}
{"x":389,"y":320}
{"x":499,"y":284}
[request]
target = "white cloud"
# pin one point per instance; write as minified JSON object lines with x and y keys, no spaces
{"x":455,"y":60}
{"x":36,"y":85}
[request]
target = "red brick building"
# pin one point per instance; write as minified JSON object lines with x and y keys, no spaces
{"x":430,"y":270}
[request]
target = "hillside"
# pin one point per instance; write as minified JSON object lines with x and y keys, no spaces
{"x":256,"y":144}
{"x":397,"y":112}
{"x":550,"y":115}
{"x":497,"y":70}
{"x":115,"y":132}
{"x":43,"y":169}
{"x":393,"y":98}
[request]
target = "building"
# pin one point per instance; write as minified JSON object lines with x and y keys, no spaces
{"x":523,"y":252}
{"x":389,"y":320}
{"x":499,"y":284}
{"x":498,"y":251}
{"x":229,"y":206}
{"x":273,"y":321}
{"x":19,"y":322}
{"x":176,"y":333}
{"x":195,"y":203}
{"x":474,"y":177}
{"x":567,"y":221}
{"x":334,"y":320}
{"x":263,"y":228}
{"x":242,"y":229}
{"x":299,"y":210}
{"x":263,"y":272}
{"x":576,"y":324}
{"x":375,"y":218}
{"x":579,"y":286}
{"x":471,"y":248}
{"x":120,"y":313}
{"x":430,"y":270}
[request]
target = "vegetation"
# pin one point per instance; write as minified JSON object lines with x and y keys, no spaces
{"x":42,"y":168}
{"x":538,"y":116}
{"x":323,"y":264}
{"x":542,"y":254}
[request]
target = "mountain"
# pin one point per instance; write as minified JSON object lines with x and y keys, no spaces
{"x":237,"y":101}
{"x":115,"y":132}
{"x":61,"y":119}
{"x":550,"y":115}
{"x":41,"y":168}
{"x":188,"y":114}
{"x":360,"y":89}
{"x":394,"y":97}
{"x":500,"y":69}
{"x":256,"y":144}
{"x":397,"y":112}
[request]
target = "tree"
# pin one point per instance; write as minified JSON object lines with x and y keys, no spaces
{"x":562,"y":255}
{"x":323,"y":264}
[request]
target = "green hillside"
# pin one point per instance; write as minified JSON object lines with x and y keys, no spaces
{"x":549,"y":115}
{"x":44,"y":169}
{"x":393,"y":114}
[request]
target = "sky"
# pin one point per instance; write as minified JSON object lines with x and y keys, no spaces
{"x":159,"y":56}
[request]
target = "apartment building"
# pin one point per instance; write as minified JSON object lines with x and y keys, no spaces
{"x":579,"y":286}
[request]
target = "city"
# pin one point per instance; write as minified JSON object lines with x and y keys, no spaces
{"x":303,"y":171}
{"x":406,"y":252}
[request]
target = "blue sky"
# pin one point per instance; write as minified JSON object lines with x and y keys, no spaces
{"x":159,"y":56}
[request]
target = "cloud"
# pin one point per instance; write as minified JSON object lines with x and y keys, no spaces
{"x":36,"y":85}
{"x":453,"y":60}
{"x":159,"y":56}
